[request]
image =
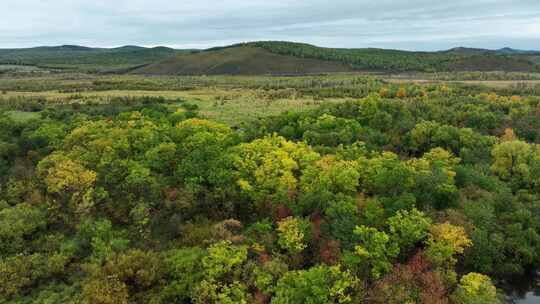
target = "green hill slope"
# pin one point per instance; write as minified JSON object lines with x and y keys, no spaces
{"x":241,"y":60}
{"x":273,"y":57}
{"x":84,"y":58}
{"x":458,"y":59}
{"x":489,"y":62}
{"x":269,"y":57}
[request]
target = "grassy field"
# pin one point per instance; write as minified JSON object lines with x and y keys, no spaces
{"x":23,"y":116}
{"x":228,"y":106}
{"x":228,"y":99}
{"x":18,"y":68}
{"x":78,"y":82}
{"x":75,"y":82}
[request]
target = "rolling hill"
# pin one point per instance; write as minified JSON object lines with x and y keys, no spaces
{"x":458,"y":59}
{"x":502,"y":51}
{"x":269,"y":57}
{"x":273,"y":57}
{"x":241,"y":60}
{"x":84,"y":58}
{"x":490,"y":62}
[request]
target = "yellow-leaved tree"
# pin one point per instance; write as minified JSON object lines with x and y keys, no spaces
{"x":68,"y":182}
{"x":268,"y":169}
{"x":475,"y":288}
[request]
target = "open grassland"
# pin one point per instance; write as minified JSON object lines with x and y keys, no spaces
{"x":75,"y":83}
{"x":228,"y":99}
{"x":234,"y":99}
{"x":88,"y":82}
{"x":22,"y":116}
{"x":227,"y":106}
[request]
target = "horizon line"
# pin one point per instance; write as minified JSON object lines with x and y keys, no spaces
{"x":179,"y":47}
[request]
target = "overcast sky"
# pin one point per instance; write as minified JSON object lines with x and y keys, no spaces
{"x":400,"y":24}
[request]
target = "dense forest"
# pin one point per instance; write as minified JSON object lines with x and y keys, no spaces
{"x":404,"y":194}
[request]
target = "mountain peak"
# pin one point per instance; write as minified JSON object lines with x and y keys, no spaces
{"x":75,"y":47}
{"x":467,"y":50}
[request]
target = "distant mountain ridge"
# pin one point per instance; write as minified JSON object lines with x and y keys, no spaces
{"x":75,"y":48}
{"x":83,"y":58}
{"x":130,"y":48}
{"x":286,"y":58}
{"x":511,"y":51}
{"x":501,"y":51}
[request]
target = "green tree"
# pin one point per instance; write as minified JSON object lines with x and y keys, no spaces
{"x":222,"y":269}
{"x":330,"y":175}
{"x":202,"y":160}
{"x":99,"y":240}
{"x":269,"y":169}
{"x":17,"y":223}
{"x":330,"y":131}
{"x":434,"y":176}
{"x":444,"y":242}
{"x":518,"y":163}
{"x":464,"y":142}
{"x":385,"y":175}
{"x":184,"y":268}
{"x":22,"y":271}
{"x":317,"y":285}
{"x":407,"y":228}
{"x":108,"y":290}
{"x":224,"y":260}
{"x":69,"y":181}
{"x":475,"y":288}
{"x":265,"y":276}
{"x":377,"y":249}
{"x":341,"y":217}
{"x":212,"y":292}
{"x":123,"y":277}
{"x":293,"y":235}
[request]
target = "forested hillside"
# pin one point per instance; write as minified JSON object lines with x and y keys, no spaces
{"x":244,"y":60}
{"x":460,"y":59}
{"x":80,"y":58}
{"x":267,"y":58}
{"x":288,"y":58}
{"x":396,"y":193}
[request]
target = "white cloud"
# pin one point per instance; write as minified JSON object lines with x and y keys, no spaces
{"x":532,"y":29}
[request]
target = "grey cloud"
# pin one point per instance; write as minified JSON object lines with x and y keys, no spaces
{"x":412,"y":24}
